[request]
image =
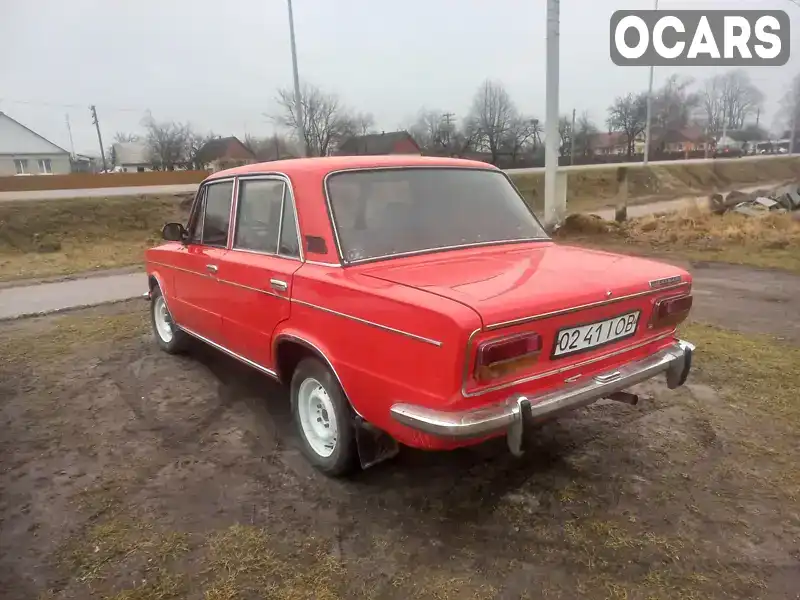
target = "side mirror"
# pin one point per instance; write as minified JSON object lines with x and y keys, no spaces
{"x":174,"y":232}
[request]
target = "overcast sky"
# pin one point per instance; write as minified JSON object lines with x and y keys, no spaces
{"x":217,"y":64}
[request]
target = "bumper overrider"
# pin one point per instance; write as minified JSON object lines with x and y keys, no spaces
{"x":511,"y":415}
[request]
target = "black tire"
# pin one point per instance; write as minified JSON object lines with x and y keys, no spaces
{"x":343,"y":459}
{"x":179,"y":340}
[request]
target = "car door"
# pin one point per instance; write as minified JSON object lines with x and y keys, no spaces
{"x":257,"y":271}
{"x":198,"y":295}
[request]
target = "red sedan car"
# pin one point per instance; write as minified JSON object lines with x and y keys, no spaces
{"x":409,"y":299}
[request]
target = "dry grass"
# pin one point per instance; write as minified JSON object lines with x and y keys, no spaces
{"x":597,"y":188}
{"x":772,"y":241}
{"x":57,"y":237}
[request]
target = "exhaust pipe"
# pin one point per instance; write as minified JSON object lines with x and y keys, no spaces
{"x":626,"y":397}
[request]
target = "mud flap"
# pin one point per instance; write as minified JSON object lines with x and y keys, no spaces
{"x":374,"y":446}
{"x":519,"y":432}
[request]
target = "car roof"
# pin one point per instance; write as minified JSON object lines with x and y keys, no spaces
{"x":324,"y":165}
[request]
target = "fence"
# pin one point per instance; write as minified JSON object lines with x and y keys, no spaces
{"x":75,"y":181}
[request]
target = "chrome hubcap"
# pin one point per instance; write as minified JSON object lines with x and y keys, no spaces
{"x":317,"y":418}
{"x":162,"y":320}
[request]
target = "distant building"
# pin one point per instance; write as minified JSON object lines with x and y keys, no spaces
{"x":609,"y":144}
{"x":394,"y":142}
{"x":25,"y":152}
{"x":688,"y":139}
{"x":131,"y":157}
{"x":224,"y":153}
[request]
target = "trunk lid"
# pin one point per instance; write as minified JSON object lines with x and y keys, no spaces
{"x":505,"y":283}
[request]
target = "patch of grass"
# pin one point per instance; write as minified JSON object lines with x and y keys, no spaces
{"x":772,"y":241}
{"x":57,"y":237}
{"x":60,"y":334}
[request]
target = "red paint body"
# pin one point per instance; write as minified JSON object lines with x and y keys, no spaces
{"x":407,"y":329}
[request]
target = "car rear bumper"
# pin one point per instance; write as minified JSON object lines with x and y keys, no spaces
{"x":511,"y":414}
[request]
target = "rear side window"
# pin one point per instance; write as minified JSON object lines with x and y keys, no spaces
{"x":259,"y":215}
{"x":216,"y":220}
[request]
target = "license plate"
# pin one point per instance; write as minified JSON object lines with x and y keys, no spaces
{"x":577,"y":339}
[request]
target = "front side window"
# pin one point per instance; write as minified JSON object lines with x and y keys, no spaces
{"x":383,"y":212}
{"x":45,"y":166}
{"x":258,"y":215}
{"x":21,"y":165}
{"x":216,"y":217}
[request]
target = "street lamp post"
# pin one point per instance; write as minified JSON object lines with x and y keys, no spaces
{"x":298,"y":101}
{"x":551,"y":210}
{"x":649,"y":111}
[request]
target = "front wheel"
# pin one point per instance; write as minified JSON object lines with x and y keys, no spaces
{"x":323,"y":418}
{"x":168,"y":336}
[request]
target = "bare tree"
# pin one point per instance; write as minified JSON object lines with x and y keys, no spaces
{"x":789,"y":114}
{"x":363,"y":123}
{"x":273,"y":147}
{"x":674,"y":104}
{"x":122,"y":138}
{"x":585,"y":130}
{"x":167,"y":141}
{"x":326,"y":122}
{"x":730,"y":99}
{"x":493,"y":115}
{"x":429,"y":130}
{"x":520,"y":137}
{"x":194,"y":143}
{"x":564,"y":134}
{"x":628,"y":115}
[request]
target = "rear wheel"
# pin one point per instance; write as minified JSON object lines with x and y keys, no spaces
{"x":323,"y":419}
{"x":168,"y":336}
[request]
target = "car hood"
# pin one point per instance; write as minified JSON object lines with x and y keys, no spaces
{"x":504,"y":283}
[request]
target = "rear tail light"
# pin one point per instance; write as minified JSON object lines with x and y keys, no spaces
{"x":670,"y":311}
{"x":500,"y":357}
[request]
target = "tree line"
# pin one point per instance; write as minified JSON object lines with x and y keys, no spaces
{"x":493,"y":126}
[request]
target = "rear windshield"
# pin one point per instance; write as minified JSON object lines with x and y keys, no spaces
{"x":380,"y":213}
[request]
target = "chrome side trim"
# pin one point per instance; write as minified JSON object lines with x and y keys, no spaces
{"x":325,"y":192}
{"x":362,"y":261}
{"x":263,"y":253}
{"x":500,"y":417}
{"x":252,"y":289}
{"x":665,"y":281}
{"x":231,"y":353}
{"x":322,"y":264}
{"x":199,"y":274}
{"x":371,"y":323}
{"x":559,"y":370}
{"x":566,"y":311}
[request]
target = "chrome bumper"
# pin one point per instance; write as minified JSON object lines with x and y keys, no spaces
{"x":511,"y":414}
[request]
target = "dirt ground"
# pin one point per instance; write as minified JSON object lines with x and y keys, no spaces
{"x":131,"y":474}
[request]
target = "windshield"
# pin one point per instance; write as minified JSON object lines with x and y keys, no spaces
{"x":383,"y":212}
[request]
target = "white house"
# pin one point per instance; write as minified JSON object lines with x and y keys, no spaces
{"x":25,"y":152}
{"x":131,"y":157}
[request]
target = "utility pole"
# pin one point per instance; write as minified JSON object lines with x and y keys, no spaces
{"x":71,"y":143}
{"x":298,"y":100}
{"x":93,"y":108}
{"x":649,"y":111}
{"x":794,"y":128}
{"x":758,"y":115}
{"x":572,"y":140}
{"x":552,"y":212}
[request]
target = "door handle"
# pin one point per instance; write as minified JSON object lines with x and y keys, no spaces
{"x":279,"y":285}
{"x":212,"y":268}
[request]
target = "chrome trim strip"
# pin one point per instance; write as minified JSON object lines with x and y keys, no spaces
{"x":371,"y":323}
{"x":322,"y":264}
{"x":664,"y":281}
{"x":206,"y":275}
{"x":361,"y":261}
{"x":501,"y":416}
{"x":262,"y":253}
{"x":325,"y":192}
{"x":252,"y":289}
{"x":565,"y":311}
{"x":564,"y":369}
{"x":231,"y":353}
